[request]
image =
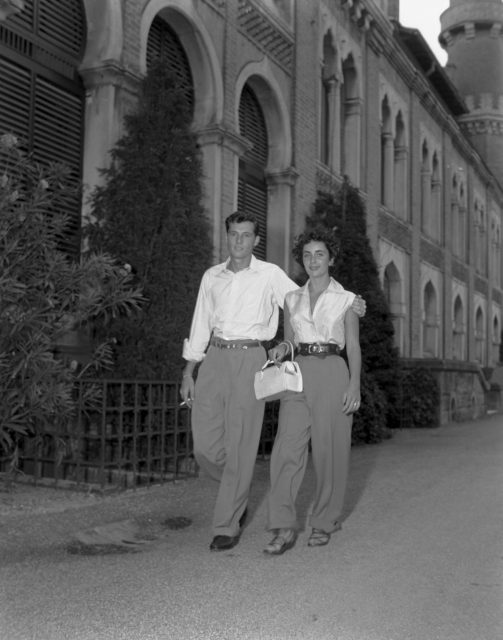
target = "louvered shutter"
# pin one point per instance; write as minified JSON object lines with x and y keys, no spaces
{"x":42,"y":97}
{"x":164,"y":43}
{"x":252,"y":187}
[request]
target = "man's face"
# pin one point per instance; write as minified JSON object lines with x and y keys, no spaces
{"x":241,"y":240}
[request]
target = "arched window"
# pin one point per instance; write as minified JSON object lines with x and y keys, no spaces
{"x":480,"y":239}
{"x":496,"y":252}
{"x":436,"y":199}
{"x":400,"y":169}
{"x":425,"y":190}
{"x":328,"y":101}
{"x":430,"y":321}
{"x":42,"y":95}
{"x":393,"y":291}
{"x":458,"y":331}
{"x":387,"y":155}
{"x":496,"y":340}
{"x":480,"y":336}
{"x":350,"y":121}
{"x":164,"y":43}
{"x":252,"y":187}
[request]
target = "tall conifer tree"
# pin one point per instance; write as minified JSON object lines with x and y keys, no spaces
{"x":357,"y":271}
{"x":149,"y":213}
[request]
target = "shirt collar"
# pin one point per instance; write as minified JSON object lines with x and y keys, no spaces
{"x":333,"y":287}
{"x":253,"y":266}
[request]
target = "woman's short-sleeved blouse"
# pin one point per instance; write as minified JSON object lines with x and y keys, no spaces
{"x":326,"y":323}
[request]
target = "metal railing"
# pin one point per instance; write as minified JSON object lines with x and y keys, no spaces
{"x":136,"y":434}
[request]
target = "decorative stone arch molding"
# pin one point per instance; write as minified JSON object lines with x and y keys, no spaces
{"x":280,"y":174}
{"x":480,"y":320}
{"x":431,"y":279}
{"x":496,"y":329}
{"x":197,"y":43}
{"x":396,"y":105}
{"x":394,"y":262}
{"x":459,"y":316}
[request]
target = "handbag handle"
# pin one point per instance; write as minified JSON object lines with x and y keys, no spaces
{"x":287,"y":342}
{"x":269,"y":362}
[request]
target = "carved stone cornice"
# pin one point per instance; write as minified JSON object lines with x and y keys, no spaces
{"x":110,"y":73}
{"x":216,"y":134}
{"x":287,"y":177}
{"x":480,"y":126}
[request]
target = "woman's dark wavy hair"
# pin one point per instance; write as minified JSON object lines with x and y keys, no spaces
{"x":316,"y":234}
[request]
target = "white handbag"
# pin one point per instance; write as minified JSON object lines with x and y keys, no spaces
{"x":273,"y":381}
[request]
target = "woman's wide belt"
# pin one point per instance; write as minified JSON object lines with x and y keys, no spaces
{"x":318,"y":349}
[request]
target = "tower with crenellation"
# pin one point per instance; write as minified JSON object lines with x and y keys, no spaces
{"x":472,"y":35}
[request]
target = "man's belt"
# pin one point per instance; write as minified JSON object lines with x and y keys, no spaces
{"x":220,"y":343}
{"x":318,"y":349}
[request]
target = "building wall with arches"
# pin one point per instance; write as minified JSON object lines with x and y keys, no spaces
{"x":340,"y":90}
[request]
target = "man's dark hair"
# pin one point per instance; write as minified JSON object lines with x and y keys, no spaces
{"x":241,"y":216}
{"x":316,"y":234}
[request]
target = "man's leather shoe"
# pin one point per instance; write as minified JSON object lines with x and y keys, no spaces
{"x":223,"y":543}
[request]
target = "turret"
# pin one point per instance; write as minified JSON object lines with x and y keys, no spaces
{"x":472,"y":35}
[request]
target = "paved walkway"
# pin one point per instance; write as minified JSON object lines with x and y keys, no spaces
{"x":420,"y":557}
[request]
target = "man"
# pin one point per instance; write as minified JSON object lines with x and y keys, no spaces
{"x":237,"y":309}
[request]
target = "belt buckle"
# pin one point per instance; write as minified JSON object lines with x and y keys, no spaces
{"x":314,"y":348}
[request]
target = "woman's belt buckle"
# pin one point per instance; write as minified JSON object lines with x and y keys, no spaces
{"x":315,"y":348}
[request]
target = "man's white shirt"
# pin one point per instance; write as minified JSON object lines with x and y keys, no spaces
{"x":237,"y":305}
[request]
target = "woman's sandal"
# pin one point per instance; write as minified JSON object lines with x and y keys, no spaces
{"x":282,"y":541}
{"x":318,"y":538}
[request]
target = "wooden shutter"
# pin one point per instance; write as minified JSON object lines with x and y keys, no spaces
{"x":42,"y":96}
{"x":252,"y":186}
{"x":164,"y":43}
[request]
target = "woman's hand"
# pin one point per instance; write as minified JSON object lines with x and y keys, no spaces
{"x":277,"y":353}
{"x":359,"y":306}
{"x":351,"y":401}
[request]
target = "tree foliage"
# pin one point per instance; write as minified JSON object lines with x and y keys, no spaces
{"x":43,"y":295}
{"x":356,"y":269}
{"x":149,"y":212}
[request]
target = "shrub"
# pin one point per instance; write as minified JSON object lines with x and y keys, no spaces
{"x":43,"y":295}
{"x":369,"y":423}
{"x":419,"y":399}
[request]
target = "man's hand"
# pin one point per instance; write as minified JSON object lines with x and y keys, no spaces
{"x":359,"y":306}
{"x":187,"y":389}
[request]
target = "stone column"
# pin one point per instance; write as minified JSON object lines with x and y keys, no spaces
{"x":280,"y":195}
{"x":111,"y":92}
{"x":215,"y":141}
{"x":352,"y":139}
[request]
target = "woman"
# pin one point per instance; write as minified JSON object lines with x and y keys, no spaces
{"x":320,"y":322}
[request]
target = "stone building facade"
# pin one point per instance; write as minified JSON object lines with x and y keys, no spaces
{"x":289,"y":96}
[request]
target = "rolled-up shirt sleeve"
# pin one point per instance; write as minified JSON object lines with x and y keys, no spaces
{"x":195,"y":345}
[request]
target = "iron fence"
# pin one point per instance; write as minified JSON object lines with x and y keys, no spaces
{"x":135,"y":435}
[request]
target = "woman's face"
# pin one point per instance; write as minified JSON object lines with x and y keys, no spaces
{"x":316,"y":259}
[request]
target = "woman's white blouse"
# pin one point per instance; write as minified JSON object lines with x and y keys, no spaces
{"x":326,"y":323}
